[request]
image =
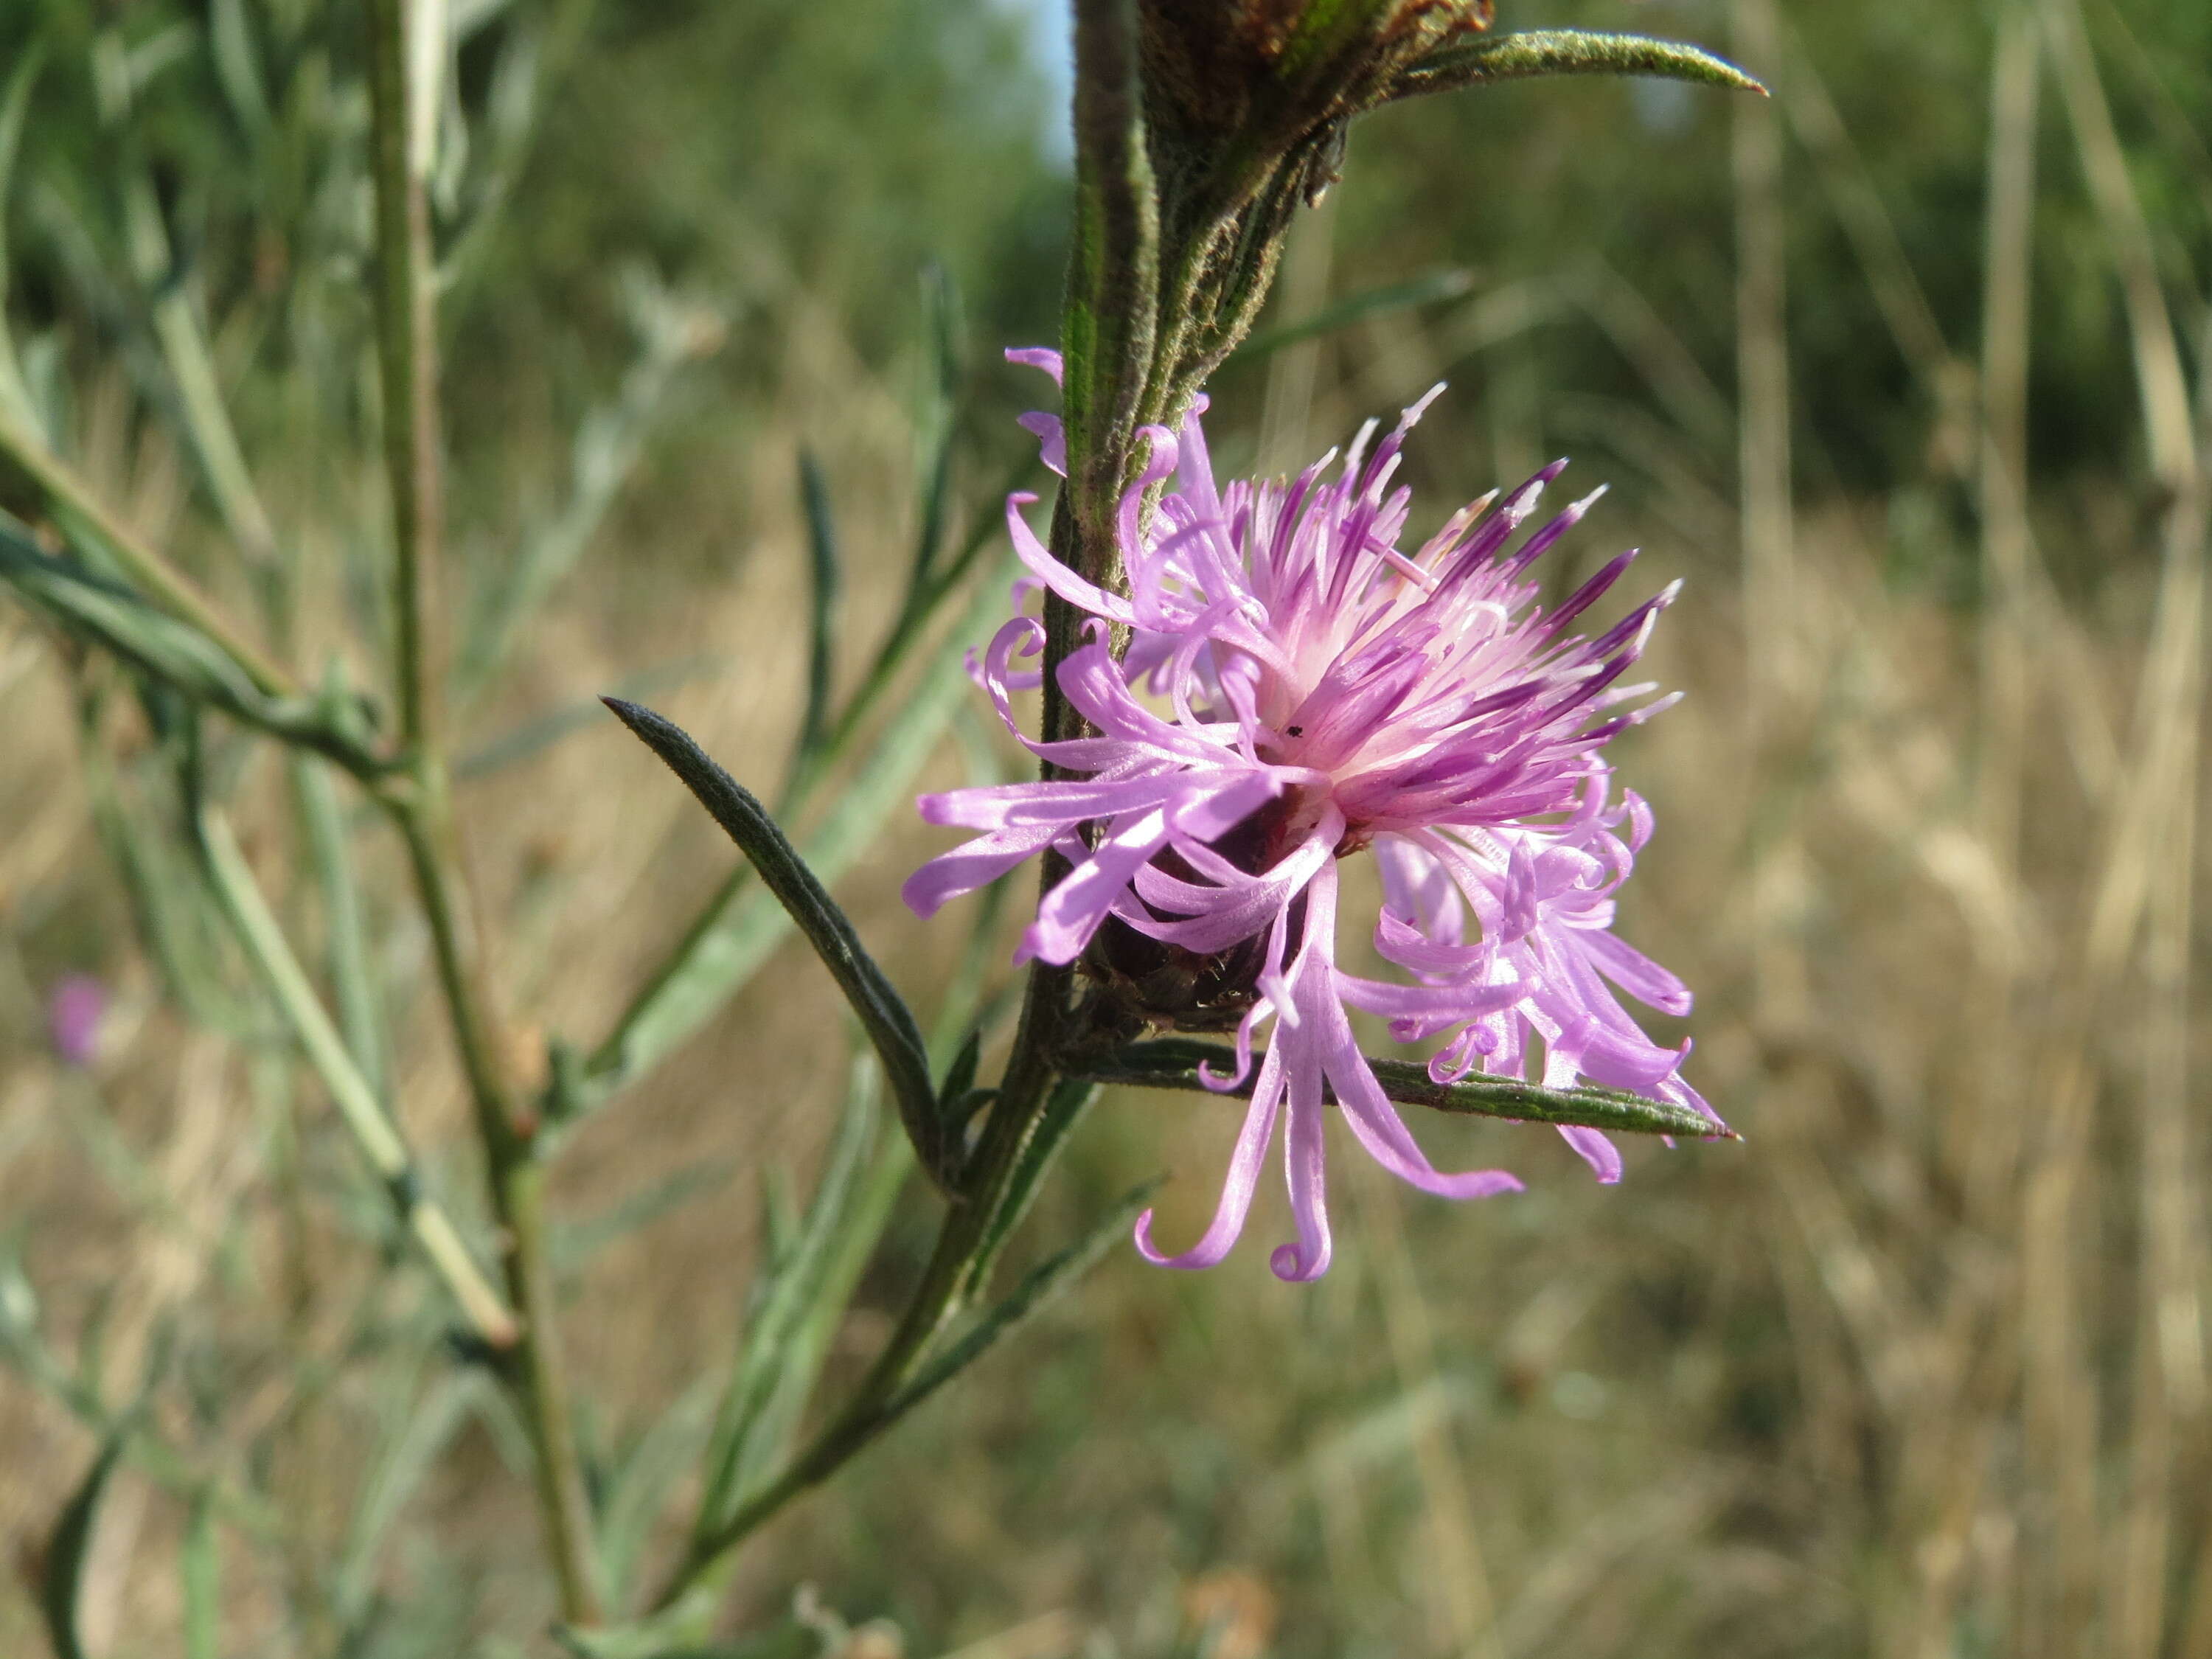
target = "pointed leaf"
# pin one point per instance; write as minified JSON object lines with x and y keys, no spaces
{"x":348,"y":951}
{"x":738,"y":928}
{"x":781,"y":1299}
{"x":639,"y":1489}
{"x":201,"y":1566}
{"x":960,"y":1076}
{"x":882,"y":1012}
{"x":68,"y":1544}
{"x":238,"y":65}
{"x":1564,"y":52}
{"x":173,"y":652}
{"x":14,"y":106}
{"x":822,"y":565}
{"x":941,"y":314}
{"x":1064,"y":1108}
{"x":1049,"y":1277}
{"x":1173,"y":1063}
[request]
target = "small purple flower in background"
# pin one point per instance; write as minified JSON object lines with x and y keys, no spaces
{"x":1326,"y":693}
{"x":74,"y":1013}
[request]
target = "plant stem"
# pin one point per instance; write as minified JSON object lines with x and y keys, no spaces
{"x":421,"y":808}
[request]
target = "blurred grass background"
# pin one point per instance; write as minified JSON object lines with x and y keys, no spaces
{"x":1918,"y":1369}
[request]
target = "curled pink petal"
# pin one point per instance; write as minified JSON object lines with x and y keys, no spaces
{"x":1242,"y":1180}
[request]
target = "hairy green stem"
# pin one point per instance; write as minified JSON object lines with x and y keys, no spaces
{"x":421,"y":809}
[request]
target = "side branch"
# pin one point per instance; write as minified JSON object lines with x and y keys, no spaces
{"x":168,"y":588}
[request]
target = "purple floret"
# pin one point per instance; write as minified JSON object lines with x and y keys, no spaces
{"x":74,"y":1013}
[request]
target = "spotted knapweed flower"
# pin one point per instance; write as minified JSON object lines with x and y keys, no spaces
{"x":1315,"y":691}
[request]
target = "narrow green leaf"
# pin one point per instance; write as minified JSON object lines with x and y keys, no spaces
{"x":883,"y":1013}
{"x":1564,"y":52}
{"x":257,"y":930}
{"x":351,"y":959}
{"x":68,"y":1544}
{"x":960,"y":1075}
{"x":741,"y":926}
{"x":238,"y":65}
{"x":534,"y":736}
{"x":115,"y":618}
{"x":417,"y":1426}
{"x":171,"y":651}
{"x":201,"y":1565}
{"x":577,"y":1243}
{"x":1064,"y":1108}
{"x":797,"y":1309}
{"x":941,"y":339}
{"x":1049,"y":1277}
{"x":672,"y":331}
{"x":169,"y":902}
{"x":14,"y":108}
{"x":638,"y":1490}
{"x":866,"y":1215}
{"x":823,"y":582}
{"x":1174,"y":1062}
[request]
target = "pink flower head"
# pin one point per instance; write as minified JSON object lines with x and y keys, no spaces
{"x":75,"y":1012}
{"x":1321,"y":692}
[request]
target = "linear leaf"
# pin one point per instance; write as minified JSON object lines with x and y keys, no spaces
{"x":14,"y":106}
{"x":348,"y":955}
{"x":68,"y":1544}
{"x":539,"y":733}
{"x":171,"y":905}
{"x":417,"y":1426}
{"x":781,"y":1299}
{"x":738,"y":929}
{"x":374,"y":1129}
{"x":822,"y":594}
{"x":1049,"y":1277}
{"x":1064,"y":1108}
{"x":201,"y":1566}
{"x":883,"y":1013}
{"x":940,"y":304}
{"x":173,"y":652}
{"x":1173,"y":1063}
{"x":663,"y":1455}
{"x":1564,"y":52}
{"x":238,"y":65}
{"x":577,"y":1243}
